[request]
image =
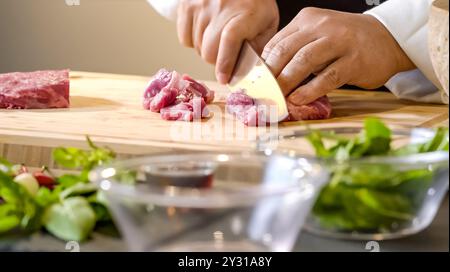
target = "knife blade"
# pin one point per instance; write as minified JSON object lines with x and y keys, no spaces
{"x":253,"y":76}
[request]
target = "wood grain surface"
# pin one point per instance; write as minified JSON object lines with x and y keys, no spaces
{"x":108,"y":108}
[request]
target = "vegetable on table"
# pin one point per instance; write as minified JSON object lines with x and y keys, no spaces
{"x":68,"y":206}
{"x":28,"y":182}
{"x":72,"y":219}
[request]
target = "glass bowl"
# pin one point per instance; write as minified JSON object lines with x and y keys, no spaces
{"x":372,"y":198}
{"x":211,"y":201}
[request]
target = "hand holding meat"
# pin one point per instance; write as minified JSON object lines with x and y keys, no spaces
{"x":339,"y":48}
{"x":217,"y":29}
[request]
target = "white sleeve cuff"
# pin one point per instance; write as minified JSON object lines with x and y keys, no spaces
{"x":407,"y":21}
{"x":167,"y":8}
{"x":413,"y":85}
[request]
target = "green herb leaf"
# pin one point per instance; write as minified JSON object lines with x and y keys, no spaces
{"x":71,"y":220}
{"x":372,"y":197}
{"x":18,"y":206}
{"x":79,"y":189}
{"x":5,"y":166}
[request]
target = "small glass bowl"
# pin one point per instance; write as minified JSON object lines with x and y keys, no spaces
{"x":211,"y":201}
{"x":362,"y":207}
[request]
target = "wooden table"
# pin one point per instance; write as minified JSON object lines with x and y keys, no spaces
{"x":109,"y":109}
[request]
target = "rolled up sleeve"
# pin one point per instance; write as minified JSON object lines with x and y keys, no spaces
{"x":407,"y":21}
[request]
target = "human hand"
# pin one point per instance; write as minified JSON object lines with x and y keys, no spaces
{"x":339,"y":48}
{"x":218,"y":28}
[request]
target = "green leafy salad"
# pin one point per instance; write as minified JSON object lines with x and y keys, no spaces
{"x":371,"y":196}
{"x":68,"y":206}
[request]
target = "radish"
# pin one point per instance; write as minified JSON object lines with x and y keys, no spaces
{"x":44,"y":180}
{"x":28,"y":182}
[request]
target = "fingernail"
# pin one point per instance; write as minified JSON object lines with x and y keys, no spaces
{"x":222,"y":78}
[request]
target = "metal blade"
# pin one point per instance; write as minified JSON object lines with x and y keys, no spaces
{"x":252,"y":75}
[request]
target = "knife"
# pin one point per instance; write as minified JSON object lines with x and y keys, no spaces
{"x":252,"y":75}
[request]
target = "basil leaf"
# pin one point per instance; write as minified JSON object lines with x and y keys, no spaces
{"x":372,"y":197}
{"x":71,"y":220}
{"x":70,"y":157}
{"x":79,"y":189}
{"x":17,"y":203}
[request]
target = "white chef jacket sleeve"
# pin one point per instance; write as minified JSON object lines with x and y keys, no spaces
{"x":407,"y":22}
{"x":167,"y":8}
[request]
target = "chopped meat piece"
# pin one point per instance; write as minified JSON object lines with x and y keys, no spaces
{"x":163,"y":99}
{"x":247,"y":111}
{"x":316,"y":110}
{"x":177,"y":97}
{"x":164,"y":89}
{"x":197,"y":89}
{"x":238,"y":100}
{"x":186,"y":111}
{"x":160,"y":80}
{"x":199,"y":108}
{"x":243,"y":107}
{"x":179,"y":112}
{"x":35,"y":90}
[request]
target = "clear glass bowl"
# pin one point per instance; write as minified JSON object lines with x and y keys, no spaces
{"x":211,"y":201}
{"x":364,"y":202}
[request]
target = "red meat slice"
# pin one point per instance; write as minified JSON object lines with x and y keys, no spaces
{"x":164,"y":89}
{"x":35,"y":90}
{"x":186,"y":111}
{"x":195,"y":88}
{"x":176,"y":97}
{"x":316,"y":110}
{"x":179,"y":112}
{"x":163,"y":99}
{"x":245,"y":109}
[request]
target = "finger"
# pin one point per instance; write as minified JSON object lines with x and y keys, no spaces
{"x":309,"y":59}
{"x":280,"y":55}
{"x":281,"y":35}
{"x":184,"y":25}
{"x":230,"y":44}
{"x":201,"y":21}
{"x":334,"y":76}
{"x":320,"y":68}
{"x":211,"y":37}
{"x":210,"y":43}
{"x":259,"y":42}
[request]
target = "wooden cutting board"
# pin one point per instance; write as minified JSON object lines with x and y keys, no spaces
{"x":109,"y":109}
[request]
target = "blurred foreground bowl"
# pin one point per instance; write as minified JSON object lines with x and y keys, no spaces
{"x":211,"y":201}
{"x":374,"y":197}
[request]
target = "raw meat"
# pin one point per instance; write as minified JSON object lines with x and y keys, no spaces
{"x":185,"y":111}
{"x":245,"y":109}
{"x":35,"y":90}
{"x":163,"y":99}
{"x":176,"y":97}
{"x":316,"y":110}
{"x":195,"y":88}
{"x":178,"y":112}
